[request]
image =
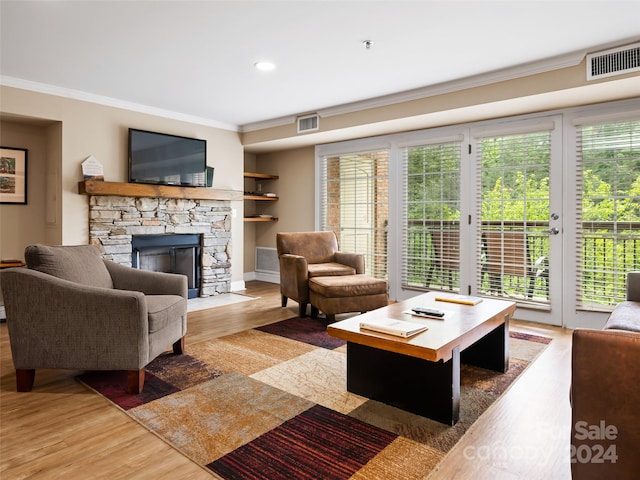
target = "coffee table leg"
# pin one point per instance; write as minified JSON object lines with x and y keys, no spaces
{"x":429,"y":389}
{"x":491,"y":351}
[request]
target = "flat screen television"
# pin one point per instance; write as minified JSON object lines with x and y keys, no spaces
{"x":163,"y":159}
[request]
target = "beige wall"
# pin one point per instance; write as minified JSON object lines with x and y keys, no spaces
{"x":295,"y":189}
{"x":91,"y":129}
{"x":25,"y":222}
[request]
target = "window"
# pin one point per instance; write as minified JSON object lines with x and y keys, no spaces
{"x":608,"y":206}
{"x":431,"y":213}
{"x":513,"y":203}
{"x":354,"y":203}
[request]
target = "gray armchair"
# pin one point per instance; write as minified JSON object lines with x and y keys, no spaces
{"x":303,"y":255}
{"x":71,"y":309}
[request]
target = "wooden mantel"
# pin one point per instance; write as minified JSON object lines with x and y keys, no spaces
{"x":94,"y":187}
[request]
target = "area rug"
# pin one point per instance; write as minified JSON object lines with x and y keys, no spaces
{"x":271,"y":403}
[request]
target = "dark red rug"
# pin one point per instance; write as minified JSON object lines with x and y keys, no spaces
{"x":307,"y":329}
{"x":318,"y":443}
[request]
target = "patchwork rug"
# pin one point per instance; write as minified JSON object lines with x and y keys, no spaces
{"x":271,"y":403}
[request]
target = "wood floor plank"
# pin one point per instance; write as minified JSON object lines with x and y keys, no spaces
{"x":62,"y":430}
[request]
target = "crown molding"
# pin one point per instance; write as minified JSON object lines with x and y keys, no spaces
{"x":111,"y":102}
{"x":271,"y":123}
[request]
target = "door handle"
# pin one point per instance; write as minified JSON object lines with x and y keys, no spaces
{"x":553,"y":231}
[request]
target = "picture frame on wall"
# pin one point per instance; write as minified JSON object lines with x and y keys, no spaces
{"x":13,"y":175}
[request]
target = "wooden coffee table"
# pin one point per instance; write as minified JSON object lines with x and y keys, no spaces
{"x":421,"y":374}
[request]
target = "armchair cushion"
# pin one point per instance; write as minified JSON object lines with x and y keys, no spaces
{"x":330,"y":269}
{"x":79,"y":264}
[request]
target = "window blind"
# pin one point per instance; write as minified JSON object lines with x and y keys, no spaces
{"x":431,"y":216}
{"x":512,"y":244}
{"x":607,"y":211}
{"x":354,"y":203}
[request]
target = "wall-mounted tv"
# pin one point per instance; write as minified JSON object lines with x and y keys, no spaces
{"x":164,"y":159}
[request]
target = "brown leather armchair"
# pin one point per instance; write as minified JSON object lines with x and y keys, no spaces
{"x":605,"y":394}
{"x":303,"y":255}
{"x":71,"y":309}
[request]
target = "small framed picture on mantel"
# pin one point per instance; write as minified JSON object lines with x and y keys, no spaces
{"x":13,"y":175}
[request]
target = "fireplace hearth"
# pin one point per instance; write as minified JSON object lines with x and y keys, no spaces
{"x":170,"y":254}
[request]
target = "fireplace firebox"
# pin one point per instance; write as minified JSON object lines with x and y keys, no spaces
{"x":170,"y":253}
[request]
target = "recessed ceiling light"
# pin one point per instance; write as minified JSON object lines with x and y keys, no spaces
{"x":264,"y":66}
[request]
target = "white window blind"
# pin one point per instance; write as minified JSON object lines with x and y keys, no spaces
{"x":512,"y":245}
{"x":354,"y":203}
{"x":431,"y":216}
{"x":607,"y":212}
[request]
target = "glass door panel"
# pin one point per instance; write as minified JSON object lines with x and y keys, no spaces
{"x":431,"y":259}
{"x":518,"y":220}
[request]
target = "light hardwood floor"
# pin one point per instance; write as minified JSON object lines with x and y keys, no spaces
{"x":61,"y":430}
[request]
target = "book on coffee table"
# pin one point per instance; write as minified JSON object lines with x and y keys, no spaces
{"x":390,"y":326}
{"x":455,"y":298}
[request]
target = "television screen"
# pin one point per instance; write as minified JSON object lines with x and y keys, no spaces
{"x":163,"y":159}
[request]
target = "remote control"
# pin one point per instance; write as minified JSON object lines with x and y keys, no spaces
{"x":428,"y":311}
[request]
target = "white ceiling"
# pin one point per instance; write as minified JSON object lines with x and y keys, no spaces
{"x":195,"y":58}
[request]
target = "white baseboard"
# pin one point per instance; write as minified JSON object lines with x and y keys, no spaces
{"x":237,"y":286}
{"x":271,"y":277}
{"x":268,"y":277}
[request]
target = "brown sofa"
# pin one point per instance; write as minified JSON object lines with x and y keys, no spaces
{"x":71,"y":309}
{"x":303,"y":255}
{"x":605,"y":394}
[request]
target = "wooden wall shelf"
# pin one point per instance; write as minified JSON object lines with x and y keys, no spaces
{"x":260,"y":219}
{"x":93,"y":187}
{"x":260,"y":198}
{"x":263,"y":176}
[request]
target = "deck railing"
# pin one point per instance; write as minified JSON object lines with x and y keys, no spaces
{"x":609,"y":251}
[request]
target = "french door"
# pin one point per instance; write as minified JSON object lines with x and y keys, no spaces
{"x":518,"y":227}
{"x":482,"y":214}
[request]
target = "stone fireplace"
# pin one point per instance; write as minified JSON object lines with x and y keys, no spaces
{"x":115,"y":220}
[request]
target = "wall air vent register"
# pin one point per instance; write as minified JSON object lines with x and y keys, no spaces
{"x":616,"y":61}
{"x":308,"y":123}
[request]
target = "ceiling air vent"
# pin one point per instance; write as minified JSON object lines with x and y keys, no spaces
{"x":616,"y":61}
{"x":308,"y":123}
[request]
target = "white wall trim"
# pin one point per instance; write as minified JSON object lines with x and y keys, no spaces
{"x":111,"y":102}
{"x":262,"y":277}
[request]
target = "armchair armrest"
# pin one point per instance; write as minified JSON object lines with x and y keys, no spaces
{"x":55,"y":323}
{"x":355,"y":260}
{"x":149,"y":283}
{"x":633,"y":286}
{"x":294,"y":276}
